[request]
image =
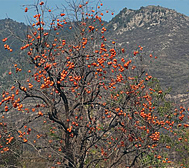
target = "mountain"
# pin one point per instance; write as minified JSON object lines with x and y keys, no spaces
{"x":161,"y":31}
{"x":7,"y":27}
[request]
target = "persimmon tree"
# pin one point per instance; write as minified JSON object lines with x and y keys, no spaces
{"x":85,"y":102}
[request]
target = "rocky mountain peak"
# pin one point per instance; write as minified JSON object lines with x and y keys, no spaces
{"x":146,"y":17}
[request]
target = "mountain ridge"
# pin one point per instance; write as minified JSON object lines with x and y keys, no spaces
{"x":145,"y":16}
{"x":163,"y":32}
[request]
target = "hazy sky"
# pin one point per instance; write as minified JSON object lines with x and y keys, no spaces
{"x":14,"y":8}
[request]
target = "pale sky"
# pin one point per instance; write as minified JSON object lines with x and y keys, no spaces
{"x":14,"y":8}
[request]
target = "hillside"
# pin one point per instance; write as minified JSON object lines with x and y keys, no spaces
{"x":162,"y":32}
{"x":9,"y":27}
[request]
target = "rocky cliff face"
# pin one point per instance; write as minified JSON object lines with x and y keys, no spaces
{"x":146,"y":17}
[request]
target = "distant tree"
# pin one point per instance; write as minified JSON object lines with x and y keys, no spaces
{"x":84,"y":103}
